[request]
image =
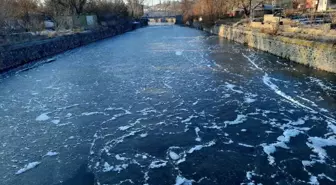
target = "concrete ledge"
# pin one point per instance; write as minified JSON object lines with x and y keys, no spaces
{"x":20,"y":54}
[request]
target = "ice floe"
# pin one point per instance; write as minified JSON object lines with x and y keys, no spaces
{"x":231,"y":87}
{"x":174,"y":156}
{"x":317,"y":145}
{"x":182,"y":181}
{"x":269,"y":149}
{"x":267,"y":81}
{"x":245,"y":145}
{"x":198,"y":138}
{"x":28,"y":167}
{"x":240,"y":119}
{"x":199,"y":147}
{"x":178,"y":53}
{"x":92,"y":113}
{"x":158,"y":164}
{"x":43,"y":117}
{"x":51,"y":153}
{"x":56,"y":121}
{"x":116,"y":168}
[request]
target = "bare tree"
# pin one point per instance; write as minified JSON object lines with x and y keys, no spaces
{"x":135,"y":7}
{"x":76,"y":6}
{"x":187,"y":9}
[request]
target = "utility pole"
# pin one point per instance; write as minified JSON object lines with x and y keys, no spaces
{"x":251,"y":11}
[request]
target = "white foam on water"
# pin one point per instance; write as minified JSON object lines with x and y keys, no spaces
{"x":28,"y":167}
{"x":231,"y":87}
{"x":43,"y":117}
{"x":240,"y":119}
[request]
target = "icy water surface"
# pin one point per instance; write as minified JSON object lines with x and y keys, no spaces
{"x":167,"y":105}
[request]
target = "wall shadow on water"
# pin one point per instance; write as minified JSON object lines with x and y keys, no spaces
{"x":82,"y":177}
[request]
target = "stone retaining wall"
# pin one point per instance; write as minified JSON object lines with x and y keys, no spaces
{"x":312,"y":53}
{"x":16,"y":55}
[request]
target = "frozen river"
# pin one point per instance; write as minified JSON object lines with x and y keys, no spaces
{"x":167,"y":105}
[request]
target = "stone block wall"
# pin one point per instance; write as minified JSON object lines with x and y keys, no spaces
{"x":19,"y":54}
{"x":312,"y":53}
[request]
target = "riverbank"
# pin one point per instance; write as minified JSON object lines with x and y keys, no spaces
{"x":12,"y":56}
{"x":315,"y":54}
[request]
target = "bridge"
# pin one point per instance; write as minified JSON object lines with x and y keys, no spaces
{"x":163,"y":17}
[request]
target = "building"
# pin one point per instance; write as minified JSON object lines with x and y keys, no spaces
{"x":285,"y":4}
{"x":324,"y":5}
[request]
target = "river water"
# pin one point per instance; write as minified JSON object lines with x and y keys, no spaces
{"x":167,"y":105}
